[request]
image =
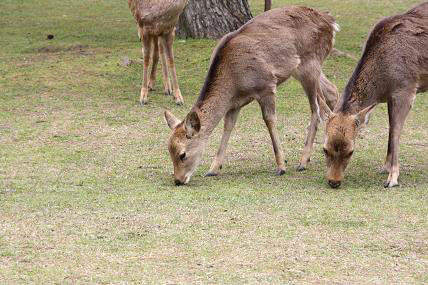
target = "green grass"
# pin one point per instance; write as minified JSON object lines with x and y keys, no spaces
{"x":86,"y":186}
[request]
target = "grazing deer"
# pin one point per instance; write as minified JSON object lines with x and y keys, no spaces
{"x":156,"y":20}
{"x":248,"y":65}
{"x":392,"y":69}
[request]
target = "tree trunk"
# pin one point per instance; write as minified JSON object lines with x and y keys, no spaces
{"x":268,"y":5}
{"x":212,"y":18}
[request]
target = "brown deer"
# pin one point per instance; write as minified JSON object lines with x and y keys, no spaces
{"x":392,"y":69}
{"x":248,"y":65}
{"x":156,"y":20}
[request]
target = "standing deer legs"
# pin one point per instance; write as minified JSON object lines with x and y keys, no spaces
{"x":267,"y":104}
{"x":229,"y":124}
{"x":400,"y":106}
{"x":167,"y":41}
{"x":155,"y":60}
{"x":166,"y":82}
{"x":147,"y":46}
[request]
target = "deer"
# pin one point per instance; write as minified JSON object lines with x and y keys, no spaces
{"x":156,"y":22}
{"x":248,"y":64}
{"x":393,"y":69}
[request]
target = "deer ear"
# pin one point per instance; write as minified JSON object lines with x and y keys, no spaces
{"x":363,"y":116}
{"x":325,"y":112}
{"x":171,"y":120}
{"x":192,"y":124}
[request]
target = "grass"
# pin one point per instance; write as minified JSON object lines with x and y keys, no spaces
{"x":86,"y":190}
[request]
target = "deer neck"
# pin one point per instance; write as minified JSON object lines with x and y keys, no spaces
{"x":212,"y":108}
{"x":362,"y":90}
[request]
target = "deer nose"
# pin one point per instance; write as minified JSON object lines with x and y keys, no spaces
{"x":334,"y":184}
{"x":178,"y":182}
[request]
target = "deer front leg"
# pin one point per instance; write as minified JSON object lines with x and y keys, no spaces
{"x":155,"y":60}
{"x":168,"y":41}
{"x":400,"y":107}
{"x":267,"y":105}
{"x":229,"y":124}
{"x":147,"y":44}
{"x":165,"y":76}
{"x":309,"y":142}
{"x":311,"y":87}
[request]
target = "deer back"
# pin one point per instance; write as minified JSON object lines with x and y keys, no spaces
{"x":394,"y":56}
{"x":266,"y":50}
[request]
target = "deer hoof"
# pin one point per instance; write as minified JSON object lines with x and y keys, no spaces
{"x":167,"y":92}
{"x":211,"y":174}
{"x":143,"y":102}
{"x":390,"y":184}
{"x":280,"y":172}
{"x":143,"y":96}
{"x":301,"y":168}
{"x":179,"y":102}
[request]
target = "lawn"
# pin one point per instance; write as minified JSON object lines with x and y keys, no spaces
{"x":86,"y":184}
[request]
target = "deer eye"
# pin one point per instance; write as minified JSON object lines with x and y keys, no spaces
{"x":183,"y":156}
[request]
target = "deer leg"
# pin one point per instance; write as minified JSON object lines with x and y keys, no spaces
{"x":166,"y":82}
{"x":311,"y":88}
{"x":309,"y":142}
{"x":229,"y":124}
{"x":147,"y":44}
{"x":387,"y":166}
{"x":168,"y":41}
{"x":155,"y":60}
{"x":400,"y":107}
{"x":267,"y":104}
{"x":329,"y":90}
{"x":140,"y":33}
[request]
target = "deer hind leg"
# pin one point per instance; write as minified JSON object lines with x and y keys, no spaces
{"x":147,"y":47}
{"x":398,"y":109}
{"x":329,"y":90}
{"x":386,"y":169}
{"x":229,"y":124}
{"x":311,"y":86}
{"x":168,"y":41}
{"x":139,"y":33}
{"x":165,"y":76}
{"x":155,"y":60}
{"x":267,"y":104}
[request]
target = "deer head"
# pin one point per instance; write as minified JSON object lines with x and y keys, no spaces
{"x":185,"y":145}
{"x":340,"y":134}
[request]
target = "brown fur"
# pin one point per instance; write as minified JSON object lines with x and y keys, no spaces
{"x":392,"y":69}
{"x":248,"y":65}
{"x":156,"y":20}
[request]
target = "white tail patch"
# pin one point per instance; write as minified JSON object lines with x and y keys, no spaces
{"x":336,"y":28}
